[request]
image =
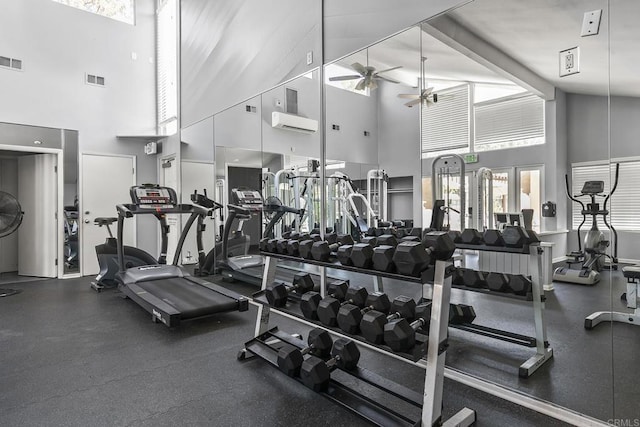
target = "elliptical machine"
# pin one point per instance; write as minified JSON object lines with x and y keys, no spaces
{"x":593,"y":256}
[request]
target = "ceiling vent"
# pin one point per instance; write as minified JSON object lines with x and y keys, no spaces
{"x":92,"y":79}
{"x":13,"y":63}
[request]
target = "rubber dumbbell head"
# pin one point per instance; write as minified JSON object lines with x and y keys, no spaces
{"x":316,"y":373}
{"x":411,"y":258}
{"x":473,"y":278}
{"x":293,"y":248}
{"x":461,"y":313}
{"x":471,"y":236}
{"x":372,"y":323}
{"x":514,"y":236}
{"x":497,"y":282}
{"x":344,"y":254}
{"x":400,"y":335}
{"x":310,"y":301}
{"x":304,"y":248}
{"x":493,"y":238}
{"x":519,"y":284}
{"x":328,"y":308}
{"x":382,"y":258}
{"x":455,"y":236}
{"x":290,"y":358}
{"x":350,"y":316}
{"x":387,"y":239}
{"x":439,"y":245}
{"x":362,"y":255}
{"x":278,"y":294}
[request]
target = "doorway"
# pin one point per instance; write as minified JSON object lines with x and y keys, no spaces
{"x":33,"y":177}
{"x":105,"y":180}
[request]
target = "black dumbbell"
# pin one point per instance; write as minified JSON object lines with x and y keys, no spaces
{"x":362,"y":255}
{"x":310,"y":301}
{"x":471,"y":236}
{"x":328,"y":308}
{"x":400,"y":335}
{"x":473,"y":278}
{"x":272,"y":245}
{"x":461,"y":313}
{"x":382,"y":258}
{"x":370,"y":240}
{"x":497,"y":282}
{"x":290,"y":358}
{"x":411,"y":258}
{"x":264,"y":242}
{"x":304,"y":248}
{"x":410,"y":239}
{"x":455,"y":236}
{"x":519,"y":284}
{"x":517,"y":237}
{"x":493,"y":237}
{"x":277,"y":294}
{"x":387,"y":239}
{"x":343,"y":254}
{"x":321,"y":251}
{"x":349,"y":315}
{"x":315,"y":373}
{"x":372,"y":323}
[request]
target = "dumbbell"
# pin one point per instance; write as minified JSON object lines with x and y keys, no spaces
{"x":473,"y":278}
{"x":343,"y":254}
{"x":328,"y":308}
{"x":461,"y":313}
{"x":400,"y":335}
{"x":517,"y":237}
{"x":493,"y":237}
{"x":263,"y":244}
{"x":310,"y":301}
{"x":293,"y":244}
{"x":519,"y":284}
{"x":471,"y":236}
{"x":411,"y":258}
{"x":277,"y":294}
{"x":321,"y":251}
{"x":315,"y":373}
{"x":290,"y":358}
{"x":349,"y":315}
{"x":362,"y":255}
{"x":372,"y":323}
{"x":455,"y":236}
{"x":497,"y":282}
{"x":382,"y":258}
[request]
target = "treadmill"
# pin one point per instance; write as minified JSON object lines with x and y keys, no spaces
{"x":249,"y":268}
{"x":168,"y":292}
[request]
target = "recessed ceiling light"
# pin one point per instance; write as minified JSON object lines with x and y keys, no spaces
{"x":37,"y":142}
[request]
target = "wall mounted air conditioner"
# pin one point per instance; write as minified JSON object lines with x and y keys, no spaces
{"x":293,"y":122}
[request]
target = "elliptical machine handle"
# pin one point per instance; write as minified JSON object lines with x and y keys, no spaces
{"x":615,"y":185}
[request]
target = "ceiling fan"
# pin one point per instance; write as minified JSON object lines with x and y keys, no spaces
{"x":428,"y":96}
{"x":367,"y":75}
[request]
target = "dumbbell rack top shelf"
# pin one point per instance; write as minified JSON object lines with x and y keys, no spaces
{"x":511,"y":250}
{"x":435,"y":350}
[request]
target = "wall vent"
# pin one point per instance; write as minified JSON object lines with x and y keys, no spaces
{"x":13,"y":63}
{"x":93,"y":79}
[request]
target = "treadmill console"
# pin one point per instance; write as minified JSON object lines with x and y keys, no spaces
{"x":248,"y":199}
{"x":153,"y":196}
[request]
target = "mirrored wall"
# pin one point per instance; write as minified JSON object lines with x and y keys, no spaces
{"x":480,"y":109}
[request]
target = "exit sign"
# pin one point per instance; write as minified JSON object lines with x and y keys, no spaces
{"x":470,"y":158}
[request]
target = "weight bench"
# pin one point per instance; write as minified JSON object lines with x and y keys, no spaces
{"x":632,"y":274}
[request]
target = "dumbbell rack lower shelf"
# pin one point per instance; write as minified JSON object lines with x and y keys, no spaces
{"x":265,"y":342}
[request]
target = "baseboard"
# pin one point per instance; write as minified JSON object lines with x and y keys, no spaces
{"x":620,"y":260}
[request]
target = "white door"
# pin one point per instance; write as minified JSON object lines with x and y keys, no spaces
{"x":105,"y":182}
{"x":38,"y":234}
{"x":170,"y":179}
{"x":198,"y":176}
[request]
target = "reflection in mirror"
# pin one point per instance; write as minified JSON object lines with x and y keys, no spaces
{"x":373,"y":167}
{"x":624,"y":205}
{"x":70,"y":210}
{"x":500,"y":129}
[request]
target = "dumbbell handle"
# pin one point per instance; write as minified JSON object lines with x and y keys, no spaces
{"x":394,"y":316}
{"x":418,"y":323}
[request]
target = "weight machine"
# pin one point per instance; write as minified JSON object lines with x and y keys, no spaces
{"x":297,"y":187}
{"x":443,"y":168}
{"x":484,"y":198}
{"x":342,"y":208}
{"x":377,"y":196}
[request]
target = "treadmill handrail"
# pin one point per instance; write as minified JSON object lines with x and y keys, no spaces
{"x":129,"y":209}
{"x":239,"y":209}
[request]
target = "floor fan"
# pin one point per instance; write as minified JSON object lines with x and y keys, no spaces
{"x":10,"y":219}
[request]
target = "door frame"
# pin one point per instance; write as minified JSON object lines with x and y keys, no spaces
{"x":60,"y":196}
{"x":81,"y":155}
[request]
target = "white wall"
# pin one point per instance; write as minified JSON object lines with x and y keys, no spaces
{"x":58,"y":45}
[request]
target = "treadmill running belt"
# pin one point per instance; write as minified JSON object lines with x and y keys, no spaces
{"x":191,"y":299}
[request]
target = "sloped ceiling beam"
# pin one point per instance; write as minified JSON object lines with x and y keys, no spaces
{"x":450,"y":32}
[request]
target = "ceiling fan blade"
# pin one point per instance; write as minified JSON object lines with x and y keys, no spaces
{"x":412,"y":103}
{"x":408,"y":96}
{"x":427,"y":91}
{"x":359,"y":68}
{"x":387,"y":79}
{"x":389,"y":69}
{"x":340,"y":78}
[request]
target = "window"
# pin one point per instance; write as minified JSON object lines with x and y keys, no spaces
{"x":623,"y":206}
{"x":475,"y":117}
{"x":120,"y":10}
{"x":530,"y":190}
{"x":445,"y":124}
{"x":500,"y":191}
{"x":513,"y":121}
{"x":167,"y":67}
